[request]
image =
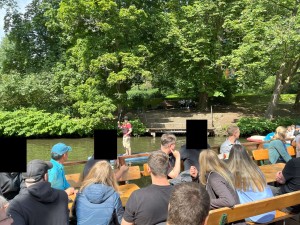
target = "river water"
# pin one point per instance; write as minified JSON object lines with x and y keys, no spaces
{"x":82,"y":148}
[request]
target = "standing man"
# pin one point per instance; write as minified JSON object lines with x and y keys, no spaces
{"x":149,"y":205}
{"x":233,"y":134}
{"x":57,"y":178}
{"x":127,"y":130}
{"x":168,"y":143}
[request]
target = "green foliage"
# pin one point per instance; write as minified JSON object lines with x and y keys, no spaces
{"x":138,"y":127}
{"x":287,"y":98}
{"x":27,"y":90}
{"x":262,"y":126}
{"x":37,"y":123}
{"x":140,"y":96}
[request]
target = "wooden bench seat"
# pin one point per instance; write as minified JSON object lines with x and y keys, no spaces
{"x":263,"y":154}
{"x":228,"y":215}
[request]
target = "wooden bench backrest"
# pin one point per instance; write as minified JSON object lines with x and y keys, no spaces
{"x":260,"y":154}
{"x":263,"y":154}
{"x":246,"y":210}
{"x":145,"y":168}
{"x":291,"y":150}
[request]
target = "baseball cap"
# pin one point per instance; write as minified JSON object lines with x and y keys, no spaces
{"x":60,"y":148}
{"x":125,"y":117}
{"x":36,"y":169}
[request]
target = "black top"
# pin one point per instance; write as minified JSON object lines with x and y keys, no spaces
{"x":291,"y":173}
{"x":148,"y":206}
{"x":190,"y":157}
{"x":10,"y":184}
{"x":40,"y":204}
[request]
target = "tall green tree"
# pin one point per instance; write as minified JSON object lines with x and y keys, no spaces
{"x":191,"y":42}
{"x":269,"y":46}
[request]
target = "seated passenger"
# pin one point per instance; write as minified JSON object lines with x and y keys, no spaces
{"x":98,"y":199}
{"x":183,"y":200}
{"x":277,"y":149}
{"x":218,"y":181}
{"x":57,"y":178}
{"x":289,"y":178}
{"x":149,"y":205}
{"x":249,"y":182}
{"x":233,"y":134}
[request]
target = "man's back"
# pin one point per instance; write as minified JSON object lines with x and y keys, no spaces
{"x":39,"y":204}
{"x":148,"y":205}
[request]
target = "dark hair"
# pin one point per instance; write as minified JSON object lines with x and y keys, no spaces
{"x":189,"y":204}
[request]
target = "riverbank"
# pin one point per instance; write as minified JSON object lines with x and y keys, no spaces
{"x":218,"y":117}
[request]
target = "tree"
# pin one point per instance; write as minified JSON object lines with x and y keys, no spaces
{"x":269,"y":45}
{"x":190,"y":44}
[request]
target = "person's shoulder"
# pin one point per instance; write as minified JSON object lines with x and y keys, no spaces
{"x":295,"y":161}
{"x":224,"y":142}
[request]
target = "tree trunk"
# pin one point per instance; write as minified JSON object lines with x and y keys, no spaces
{"x":203,"y":99}
{"x":283,"y":77}
{"x":297,"y":100}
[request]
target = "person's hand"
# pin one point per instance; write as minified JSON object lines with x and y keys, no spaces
{"x":70,"y":191}
{"x":176,"y":154}
{"x":280,"y":178}
{"x":124,"y":168}
{"x":193,"y":171}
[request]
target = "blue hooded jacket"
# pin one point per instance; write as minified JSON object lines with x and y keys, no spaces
{"x":96,"y":204}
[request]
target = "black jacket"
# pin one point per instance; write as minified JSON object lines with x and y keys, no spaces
{"x":39,"y":204}
{"x":10,"y":184}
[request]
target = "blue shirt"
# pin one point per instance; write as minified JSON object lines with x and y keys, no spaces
{"x":56,"y":176}
{"x":250,"y":196}
{"x":227,"y":145}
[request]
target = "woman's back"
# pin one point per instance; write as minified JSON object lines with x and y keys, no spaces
{"x":249,"y":181}
{"x":96,"y":205}
{"x":97,"y":201}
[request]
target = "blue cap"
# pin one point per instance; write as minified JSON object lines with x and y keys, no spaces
{"x":60,"y":148}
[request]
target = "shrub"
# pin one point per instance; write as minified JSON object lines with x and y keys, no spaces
{"x":261,"y":126}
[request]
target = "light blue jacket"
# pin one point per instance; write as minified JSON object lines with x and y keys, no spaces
{"x":95,"y":205}
{"x":277,"y":149}
{"x":250,"y":196}
{"x":56,"y":176}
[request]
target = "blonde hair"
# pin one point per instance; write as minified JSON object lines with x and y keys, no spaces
{"x":280,"y":133}
{"x":102,"y":173}
{"x":210,"y":162}
{"x":246,"y":173}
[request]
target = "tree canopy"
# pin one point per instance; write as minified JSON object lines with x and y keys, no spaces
{"x":83,"y":57}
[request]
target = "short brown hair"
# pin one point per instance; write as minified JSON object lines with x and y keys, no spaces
{"x":189,"y":204}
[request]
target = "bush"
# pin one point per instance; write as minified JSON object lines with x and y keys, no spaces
{"x":261,"y":126}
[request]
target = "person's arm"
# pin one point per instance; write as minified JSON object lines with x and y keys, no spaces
{"x":220,"y":188}
{"x":121,"y":171}
{"x":176,"y":169}
{"x":119,"y":125}
{"x":129,"y":131}
{"x":16,"y":212}
{"x":283,"y":152}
